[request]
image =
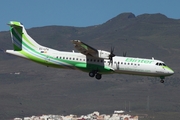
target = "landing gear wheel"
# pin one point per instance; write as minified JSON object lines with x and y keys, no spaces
{"x":162,"y":81}
{"x":98,"y":76}
{"x":92,"y":74}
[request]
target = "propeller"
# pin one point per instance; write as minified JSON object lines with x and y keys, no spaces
{"x":1,"y":50}
{"x":124,"y":54}
{"x":111,"y":55}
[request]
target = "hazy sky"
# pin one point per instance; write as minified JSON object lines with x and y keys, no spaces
{"x":79,"y":13}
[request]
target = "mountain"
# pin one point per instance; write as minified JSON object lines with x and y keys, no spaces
{"x":28,"y":88}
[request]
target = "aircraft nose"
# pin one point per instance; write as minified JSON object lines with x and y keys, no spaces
{"x":170,"y":71}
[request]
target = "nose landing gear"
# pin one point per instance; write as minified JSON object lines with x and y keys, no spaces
{"x":162,"y":79}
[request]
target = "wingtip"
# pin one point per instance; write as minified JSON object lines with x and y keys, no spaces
{"x":75,"y":41}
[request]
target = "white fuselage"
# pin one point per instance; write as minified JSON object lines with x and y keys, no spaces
{"x":122,"y":65}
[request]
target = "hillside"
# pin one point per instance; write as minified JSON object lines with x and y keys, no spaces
{"x":41,"y":90}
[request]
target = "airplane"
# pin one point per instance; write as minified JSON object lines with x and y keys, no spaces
{"x":87,"y":59}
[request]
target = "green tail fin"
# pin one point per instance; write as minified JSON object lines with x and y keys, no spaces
{"x":20,"y":39}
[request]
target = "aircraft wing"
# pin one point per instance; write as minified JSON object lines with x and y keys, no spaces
{"x":84,"y":48}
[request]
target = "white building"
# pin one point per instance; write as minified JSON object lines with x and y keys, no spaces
{"x":118,"y":115}
{"x":17,"y":119}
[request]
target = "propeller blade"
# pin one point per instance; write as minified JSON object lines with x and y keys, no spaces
{"x":124,"y":54}
{"x":111,"y":55}
{"x":1,"y":50}
{"x":112,"y":50}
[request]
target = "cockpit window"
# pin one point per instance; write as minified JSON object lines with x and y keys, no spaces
{"x":164,"y":64}
{"x":160,"y":64}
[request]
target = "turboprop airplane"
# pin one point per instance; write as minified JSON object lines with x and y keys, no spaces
{"x":95,"y":62}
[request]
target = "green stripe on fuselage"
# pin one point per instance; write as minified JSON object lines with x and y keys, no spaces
{"x":87,"y":67}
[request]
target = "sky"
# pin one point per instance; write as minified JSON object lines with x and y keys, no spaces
{"x":79,"y":13}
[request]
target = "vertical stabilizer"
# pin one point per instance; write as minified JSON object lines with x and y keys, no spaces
{"x":20,"y":39}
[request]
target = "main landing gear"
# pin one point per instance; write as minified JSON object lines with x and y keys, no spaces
{"x":96,"y":74}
